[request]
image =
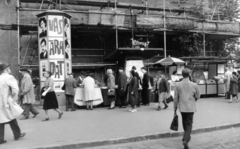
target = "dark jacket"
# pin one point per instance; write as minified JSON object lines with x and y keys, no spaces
{"x":70,"y":84}
{"x":133,"y":86}
{"x":233,"y":85}
{"x":145,"y":81}
{"x":122,"y":81}
{"x":163,"y":86}
{"x":138,"y":79}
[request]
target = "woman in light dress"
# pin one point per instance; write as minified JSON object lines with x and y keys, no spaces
{"x":88,"y":87}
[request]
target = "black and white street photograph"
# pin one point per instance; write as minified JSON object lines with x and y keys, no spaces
{"x":120,"y":74}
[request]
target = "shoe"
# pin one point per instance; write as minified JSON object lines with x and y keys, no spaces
{"x":147,"y":104}
{"x":60,"y":115}
{"x":185,"y":144}
{"x":46,"y":119}
{"x":111,"y":108}
{"x":3,"y":141}
{"x":230,"y":101}
{"x":130,"y":110}
{"x":91,"y":108}
{"x":35,"y":115}
{"x":120,"y":106}
{"x":138,"y":105}
{"x":159,"y":108}
{"x":66,"y":110}
{"x":123,"y":106}
{"x":24,"y":118}
{"x":134,"y":110}
{"x":20,"y":136}
{"x":73,"y":110}
{"x":166,"y":106}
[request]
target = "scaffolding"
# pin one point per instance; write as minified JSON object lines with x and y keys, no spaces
{"x":64,"y":5}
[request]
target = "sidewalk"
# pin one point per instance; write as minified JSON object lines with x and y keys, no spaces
{"x":102,"y":126}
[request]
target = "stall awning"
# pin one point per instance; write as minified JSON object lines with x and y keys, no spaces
{"x":144,"y":53}
{"x":207,"y":59}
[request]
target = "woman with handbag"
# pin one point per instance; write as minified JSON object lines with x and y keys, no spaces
{"x":233,"y":90}
{"x":133,"y":89}
{"x":50,"y":98}
{"x":111,"y":88}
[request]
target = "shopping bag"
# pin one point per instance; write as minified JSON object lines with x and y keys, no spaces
{"x":169,"y":99}
{"x":174,"y":124}
{"x":111,"y":92}
{"x":15,"y":109}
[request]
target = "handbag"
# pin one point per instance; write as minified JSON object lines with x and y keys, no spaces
{"x":111,"y":92}
{"x":174,"y":124}
{"x":63,"y":87}
{"x":169,"y":99}
{"x":15,"y":109}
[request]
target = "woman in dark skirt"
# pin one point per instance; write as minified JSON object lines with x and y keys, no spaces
{"x":133,"y":90}
{"x":50,"y":98}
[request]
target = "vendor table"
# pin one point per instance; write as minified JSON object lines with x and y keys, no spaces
{"x":211,"y":89}
{"x":79,"y":98}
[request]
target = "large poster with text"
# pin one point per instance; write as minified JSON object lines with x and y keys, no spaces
{"x":56,"y":48}
{"x":57,"y":68}
{"x":43,"y":67}
{"x":55,"y":26}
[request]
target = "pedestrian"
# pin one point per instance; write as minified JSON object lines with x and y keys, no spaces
{"x":133,"y":89}
{"x":138,"y":94}
{"x":111,"y":88}
{"x":238,"y":86}
{"x":50,"y":98}
{"x":36,"y":84}
{"x":89,"y":91}
{"x":9,"y":92}
{"x":70,"y":86}
{"x":80,"y":79}
{"x":145,"y":86}
{"x":227,"y":78}
{"x":122,"y":87}
{"x":162,"y":89}
{"x":233,"y":90}
{"x":174,"y":77}
{"x":27,"y":94}
{"x":186,"y":94}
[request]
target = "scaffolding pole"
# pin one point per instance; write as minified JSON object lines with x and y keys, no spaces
{"x":164,"y":28}
{"x":18,"y":33}
{"x":116,"y":24}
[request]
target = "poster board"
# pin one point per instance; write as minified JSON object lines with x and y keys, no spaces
{"x":137,"y":63}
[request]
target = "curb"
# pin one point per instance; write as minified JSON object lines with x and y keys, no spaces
{"x":134,"y":139}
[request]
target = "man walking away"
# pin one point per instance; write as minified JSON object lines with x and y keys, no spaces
{"x":138,"y":95}
{"x":145,"y":86}
{"x":186,"y":93}
{"x":70,"y":85}
{"x":27,"y":94}
{"x":122,"y":86}
{"x":8,"y":92}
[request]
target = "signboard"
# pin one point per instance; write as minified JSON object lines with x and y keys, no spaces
{"x":54,"y":39}
{"x":137,"y":63}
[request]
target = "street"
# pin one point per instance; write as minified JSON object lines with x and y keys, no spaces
{"x":222,"y":139}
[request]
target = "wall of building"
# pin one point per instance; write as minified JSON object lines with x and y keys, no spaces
{"x":8,"y":39}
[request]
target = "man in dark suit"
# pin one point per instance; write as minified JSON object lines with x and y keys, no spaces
{"x":70,"y":85}
{"x":138,"y":82}
{"x":162,"y":90}
{"x":122,"y":87}
{"x":145,"y":86}
{"x":44,"y":53}
{"x":186,"y":93}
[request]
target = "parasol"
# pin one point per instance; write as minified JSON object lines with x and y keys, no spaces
{"x":169,"y":61}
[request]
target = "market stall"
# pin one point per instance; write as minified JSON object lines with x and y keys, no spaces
{"x":208,"y":73}
{"x":79,"y":98}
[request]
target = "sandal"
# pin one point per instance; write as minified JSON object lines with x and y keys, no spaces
{"x":60,"y":115}
{"x":46,"y":119}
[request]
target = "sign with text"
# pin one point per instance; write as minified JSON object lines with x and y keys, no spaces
{"x":54,"y":38}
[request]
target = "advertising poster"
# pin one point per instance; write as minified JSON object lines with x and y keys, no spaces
{"x":67,"y":49}
{"x":42,"y":27}
{"x":55,"y":26}
{"x":56,"y":48}
{"x":137,"y":63}
{"x":43,"y":50}
{"x":68,"y":67}
{"x":57,"y":67}
{"x":43,"y":67}
{"x":67,"y":28}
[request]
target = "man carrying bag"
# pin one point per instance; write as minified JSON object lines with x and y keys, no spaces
{"x":186,"y":93}
{"x":9,"y":109}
